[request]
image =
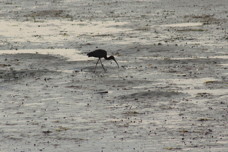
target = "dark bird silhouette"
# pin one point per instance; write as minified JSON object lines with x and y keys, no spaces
{"x":99,"y":53}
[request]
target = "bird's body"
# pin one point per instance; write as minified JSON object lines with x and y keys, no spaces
{"x":100,"y":53}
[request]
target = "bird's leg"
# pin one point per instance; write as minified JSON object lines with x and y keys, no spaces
{"x":96,"y":65}
{"x":103,"y":66}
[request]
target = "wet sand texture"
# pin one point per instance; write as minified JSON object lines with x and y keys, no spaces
{"x":169,"y":94}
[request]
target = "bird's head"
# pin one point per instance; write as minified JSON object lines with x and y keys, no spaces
{"x":113,"y":58}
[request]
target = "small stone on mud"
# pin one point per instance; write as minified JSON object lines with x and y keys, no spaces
{"x":47,"y":132}
{"x":102,"y":92}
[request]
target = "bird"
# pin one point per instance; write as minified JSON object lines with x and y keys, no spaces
{"x":100,"y":53}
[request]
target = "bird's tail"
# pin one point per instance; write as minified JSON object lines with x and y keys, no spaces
{"x":89,"y":54}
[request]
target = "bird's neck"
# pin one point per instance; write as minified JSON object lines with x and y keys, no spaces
{"x":107,"y":58}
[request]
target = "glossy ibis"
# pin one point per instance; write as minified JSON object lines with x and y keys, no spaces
{"x":100,"y":53}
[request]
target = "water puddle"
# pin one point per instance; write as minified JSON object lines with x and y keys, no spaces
{"x":220,"y":57}
{"x":224,"y":57}
{"x":163,"y":58}
{"x":192,"y":82}
{"x":216,"y":92}
{"x":56,"y":30}
{"x":70,"y":54}
{"x":140,"y":87}
{"x":224,"y":65}
{"x":51,"y":99}
{"x":34,"y":104}
{"x":196,"y":86}
{"x":149,"y":58}
{"x":184,"y":24}
{"x":209,"y":57}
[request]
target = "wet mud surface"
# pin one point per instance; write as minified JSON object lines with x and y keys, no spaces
{"x":169,"y":94}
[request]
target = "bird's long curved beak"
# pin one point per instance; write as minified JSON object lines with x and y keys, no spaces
{"x":116,"y":62}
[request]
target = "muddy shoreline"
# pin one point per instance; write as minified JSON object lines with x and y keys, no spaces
{"x":169,"y":94}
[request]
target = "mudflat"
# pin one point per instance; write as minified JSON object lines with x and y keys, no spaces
{"x":169,"y":94}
